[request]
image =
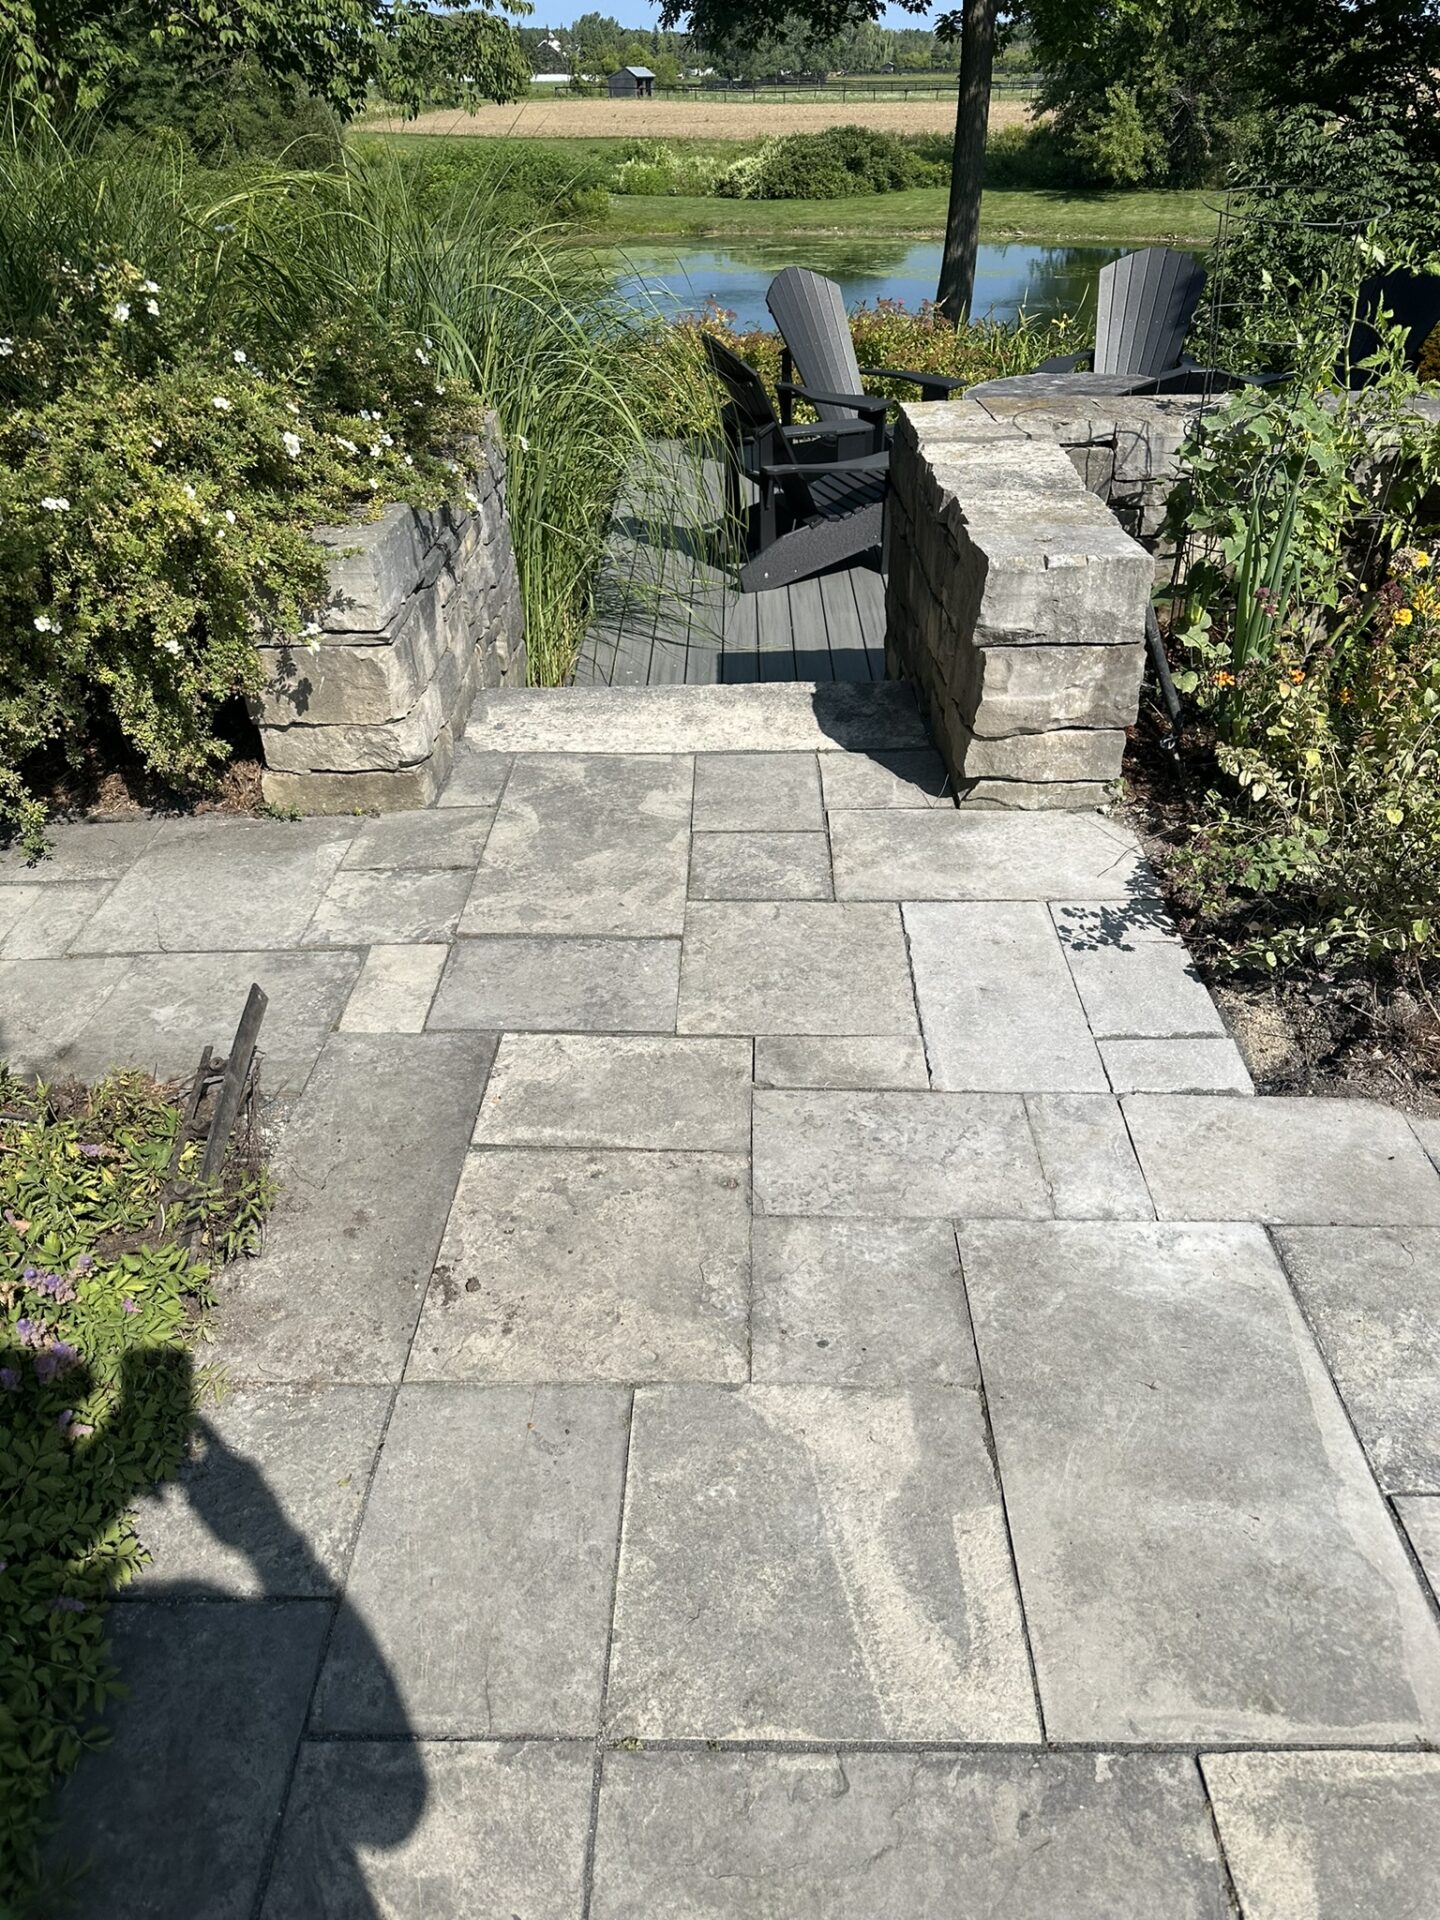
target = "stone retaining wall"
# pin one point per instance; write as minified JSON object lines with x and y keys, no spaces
{"x":1016,"y":604}
{"x":423,"y":610}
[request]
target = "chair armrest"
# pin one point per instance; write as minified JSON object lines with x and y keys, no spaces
{"x":828,"y":429}
{"x":867,"y":463}
{"x":1066,"y":362}
{"x":931,"y":385}
{"x":869,"y":406}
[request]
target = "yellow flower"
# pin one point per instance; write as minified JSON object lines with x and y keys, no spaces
{"x":1224,"y":679}
{"x":1418,"y":559}
{"x":1297,"y":677}
{"x":1403,"y":616}
{"x":1346,"y":696}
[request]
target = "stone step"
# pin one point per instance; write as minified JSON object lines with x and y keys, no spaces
{"x":795,"y":717}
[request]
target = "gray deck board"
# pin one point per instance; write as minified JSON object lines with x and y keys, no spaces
{"x":667,"y":610}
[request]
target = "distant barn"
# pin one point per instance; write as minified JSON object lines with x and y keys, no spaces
{"x":632,"y":83}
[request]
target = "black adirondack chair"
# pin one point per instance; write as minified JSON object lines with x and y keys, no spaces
{"x":810,"y":312}
{"x":1412,"y":300}
{"x":817,"y":508}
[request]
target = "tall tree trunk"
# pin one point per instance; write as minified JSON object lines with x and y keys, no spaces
{"x":972,"y":116}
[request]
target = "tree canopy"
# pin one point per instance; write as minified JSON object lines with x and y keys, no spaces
{"x":63,"y":55}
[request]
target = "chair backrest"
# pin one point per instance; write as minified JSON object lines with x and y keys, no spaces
{"x":1413,"y":302}
{"x":1143,"y":306}
{"x":750,"y":412}
{"x":810,"y":312}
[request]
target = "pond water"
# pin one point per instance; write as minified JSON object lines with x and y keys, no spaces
{"x":685,"y":277}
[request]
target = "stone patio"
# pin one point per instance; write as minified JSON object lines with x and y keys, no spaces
{"x":791,"y":1378}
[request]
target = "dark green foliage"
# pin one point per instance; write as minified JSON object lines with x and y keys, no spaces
{"x":224,"y":110}
{"x":523,"y":183}
{"x":99,"y":1306}
{"x":830,"y":166}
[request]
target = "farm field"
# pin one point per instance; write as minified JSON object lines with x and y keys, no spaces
{"x":706,"y":119}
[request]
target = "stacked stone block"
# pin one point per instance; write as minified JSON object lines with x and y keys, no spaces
{"x":422,"y":610}
{"x":1016,"y":605}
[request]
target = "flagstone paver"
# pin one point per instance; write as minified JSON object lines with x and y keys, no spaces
{"x":753,"y":792}
{"x":515,"y":1306}
{"x":805,"y":1563}
{"x":572,"y":1265}
{"x":1372,"y":1297}
{"x":859,"y":1303}
{"x":449,"y":1830}
{"x":824,"y":1836}
{"x":1284,"y":1161}
{"x":760,"y":866}
{"x":531,"y":985}
{"x":366,"y":1171}
{"x":1182,"y":1487}
{"x":481,"y":1589}
{"x":395,"y":989}
{"x":905,"y":1156}
{"x":609,"y":1090}
{"x":180,"y":1808}
{"x":997,"y":1007}
{"x":846,"y":1061}
{"x":798,"y":966}
{"x":269,"y":1501}
{"x":1329,"y":1834}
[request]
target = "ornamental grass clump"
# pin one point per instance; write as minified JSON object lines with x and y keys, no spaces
{"x":102,"y":1295}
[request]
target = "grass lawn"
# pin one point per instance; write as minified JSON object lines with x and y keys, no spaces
{"x":1065,"y":219}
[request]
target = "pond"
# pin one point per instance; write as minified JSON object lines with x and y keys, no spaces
{"x":685,"y":277}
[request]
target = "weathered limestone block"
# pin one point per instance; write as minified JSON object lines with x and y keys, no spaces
{"x":423,"y":608}
{"x":1016,"y":605}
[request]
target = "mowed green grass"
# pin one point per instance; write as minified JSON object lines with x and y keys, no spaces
{"x":1058,"y":217}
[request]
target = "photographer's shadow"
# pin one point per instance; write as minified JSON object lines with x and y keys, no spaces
{"x":220,"y":1646}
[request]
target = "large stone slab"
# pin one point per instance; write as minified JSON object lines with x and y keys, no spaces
{"x":794,"y":967}
{"x":220,"y":883}
{"x":1329,"y":1834}
{"x":477,"y":779}
{"x":367,"y":1169}
{"x":421,"y":1830}
{"x":750,"y":792}
{"x":563,"y":1265}
{"x":861,"y":1836}
{"x":1285,"y":1161}
{"x":1010,"y":690}
{"x":157,"y":1010}
{"x":452,"y":836}
{"x":997,"y":1007}
{"x":1372,"y":1298}
{"x":39,"y":922}
{"x":871,"y":1518}
{"x":480,"y":1592}
{"x":853,"y":1061}
{"x":859,"y":1303}
{"x":1176,"y":1066}
{"x":80,"y":850}
{"x":1422,"y":1528}
{"x":395,"y":989}
{"x":1133,"y":973}
{"x":760,"y":866}
{"x":609,"y":1090}
{"x":587,"y":844}
{"x":369,"y":906}
{"x":798,"y":718}
{"x":176,"y":1817}
{"x":908,"y":1156}
{"x":542,"y":985}
{"x":918,"y":778}
{"x":1182,"y":1487}
{"x":949,"y":855}
{"x":268,"y":1501}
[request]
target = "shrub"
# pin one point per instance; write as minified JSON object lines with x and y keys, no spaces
{"x":829,"y":166}
{"x":657,"y":166}
{"x":100,"y":1306}
{"x":1312,"y":631}
{"x":523,"y":184}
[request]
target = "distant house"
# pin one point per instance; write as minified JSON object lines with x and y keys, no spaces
{"x":550,"y":79}
{"x":632,"y":83}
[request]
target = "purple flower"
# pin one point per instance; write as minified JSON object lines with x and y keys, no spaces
{"x":9,"y":1380}
{"x":54,"y":1361}
{"x":91,"y":1150}
{"x":83,"y":1262}
{"x":30,"y":1333}
{"x":58,"y":1286}
{"x":127,"y":1305}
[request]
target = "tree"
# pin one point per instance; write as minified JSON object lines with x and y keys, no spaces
{"x":60,"y":55}
{"x":752,"y":23}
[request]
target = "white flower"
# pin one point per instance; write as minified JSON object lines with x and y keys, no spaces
{"x":120,"y":311}
{"x":44,"y":624}
{"x":374,"y":453}
{"x":290,"y":407}
{"x":440,"y":393}
{"x":55,"y":503}
{"x":155,"y":445}
{"x":238,"y":356}
{"x":221,"y":404}
{"x":524,"y":444}
{"x":374,"y":484}
{"x":149,"y":286}
{"x":152,"y":307}
{"x":311,"y":627}
{"x":472,"y":498}
{"x":291,"y":443}
{"x":386,"y":441}
{"x":230,"y":515}
{"x":7,"y":347}
{"x":365,"y":413}
{"x":189,"y":491}
{"x":348,"y":446}
{"x":408,"y":461}
{"x":171,"y":646}
{"x":423,"y":358}
{"x":452,"y":466}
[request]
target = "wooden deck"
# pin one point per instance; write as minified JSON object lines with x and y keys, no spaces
{"x":665,"y":612}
